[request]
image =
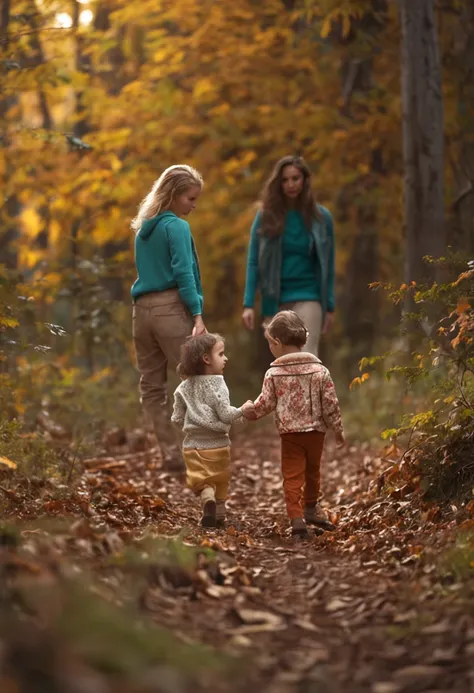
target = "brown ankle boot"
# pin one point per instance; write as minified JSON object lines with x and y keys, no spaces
{"x":208,"y":500}
{"x":220,"y":512}
{"x":298,"y":527}
{"x":315,"y":515}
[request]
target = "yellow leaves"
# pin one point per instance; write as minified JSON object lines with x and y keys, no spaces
{"x":100,"y":375}
{"x":343,"y":16}
{"x":54,"y":233}
{"x":220,"y":110}
{"x":204,"y":90}
{"x":326,"y":28}
{"x":237,"y":164}
{"x":31,"y":222}
{"x":29,"y":257}
{"x":358,"y":381}
{"x":5,"y":462}
{"x":8,"y":322}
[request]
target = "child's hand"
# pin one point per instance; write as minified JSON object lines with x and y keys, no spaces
{"x":340,"y":440}
{"x":248,"y":410}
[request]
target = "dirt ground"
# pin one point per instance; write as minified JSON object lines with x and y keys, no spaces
{"x":372,"y":606}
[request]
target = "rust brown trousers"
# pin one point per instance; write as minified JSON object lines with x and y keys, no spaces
{"x":301,"y":469}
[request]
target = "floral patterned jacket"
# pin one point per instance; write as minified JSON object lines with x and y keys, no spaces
{"x":301,"y":392}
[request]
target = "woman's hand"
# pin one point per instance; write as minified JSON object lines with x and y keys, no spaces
{"x":248,"y":318}
{"x":328,"y":322}
{"x":199,"y":326}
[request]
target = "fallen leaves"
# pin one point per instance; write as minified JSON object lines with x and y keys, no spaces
{"x":310,"y":612}
{"x":5,"y":462}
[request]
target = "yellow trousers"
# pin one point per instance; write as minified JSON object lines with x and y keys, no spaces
{"x":208,"y":468}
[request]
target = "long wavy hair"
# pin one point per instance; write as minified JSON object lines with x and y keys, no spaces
{"x":174,"y":181}
{"x":274,"y":203}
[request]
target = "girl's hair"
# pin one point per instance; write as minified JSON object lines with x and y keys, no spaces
{"x":192,"y":354}
{"x":274,"y":203}
{"x":172,"y":182}
{"x":289,"y":328}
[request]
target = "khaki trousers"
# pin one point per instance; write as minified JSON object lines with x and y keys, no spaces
{"x":161,"y":324}
{"x":209,"y":468}
{"x":311,"y":314}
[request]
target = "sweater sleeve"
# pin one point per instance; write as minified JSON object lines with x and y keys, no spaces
{"x":331,"y":262}
{"x":330,"y":412}
{"x":222,"y":406}
{"x":181,"y":250}
{"x":267,"y":400}
{"x":179,"y":410}
{"x":251,"y":280}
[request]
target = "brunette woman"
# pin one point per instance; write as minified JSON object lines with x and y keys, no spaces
{"x":291,"y":253}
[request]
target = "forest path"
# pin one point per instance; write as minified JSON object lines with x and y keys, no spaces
{"x":363,"y":608}
{"x":369,"y":607}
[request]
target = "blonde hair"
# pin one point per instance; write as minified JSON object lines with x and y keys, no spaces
{"x":289,"y":328}
{"x":172,"y":182}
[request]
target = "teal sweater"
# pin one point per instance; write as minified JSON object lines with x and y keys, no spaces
{"x":307,"y":259}
{"x":166,"y":258}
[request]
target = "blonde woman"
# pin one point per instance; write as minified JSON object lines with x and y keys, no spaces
{"x":167,"y":295}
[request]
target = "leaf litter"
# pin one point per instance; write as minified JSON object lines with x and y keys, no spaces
{"x":363,"y":608}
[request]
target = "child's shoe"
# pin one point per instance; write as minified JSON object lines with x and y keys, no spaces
{"x":315,"y":515}
{"x":220,"y":512}
{"x":298,"y":527}
{"x":208,"y":500}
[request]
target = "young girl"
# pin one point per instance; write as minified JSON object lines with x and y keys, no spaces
{"x":301,"y":391}
{"x":202,"y":409}
{"x":167,"y":295}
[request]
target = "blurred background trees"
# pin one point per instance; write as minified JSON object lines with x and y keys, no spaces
{"x":97,"y":98}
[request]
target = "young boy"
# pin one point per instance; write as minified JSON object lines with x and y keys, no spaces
{"x":301,"y":392}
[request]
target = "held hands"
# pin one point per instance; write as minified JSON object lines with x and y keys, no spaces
{"x":199,"y":326}
{"x":248,"y":410}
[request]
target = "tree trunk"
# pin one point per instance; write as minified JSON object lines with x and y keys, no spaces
{"x":423,"y":145}
{"x":8,"y":202}
{"x":360,"y":307}
{"x":461,"y":230}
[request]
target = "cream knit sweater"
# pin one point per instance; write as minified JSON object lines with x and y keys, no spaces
{"x":202,"y":409}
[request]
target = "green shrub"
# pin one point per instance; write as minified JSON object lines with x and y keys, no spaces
{"x":437,"y":369}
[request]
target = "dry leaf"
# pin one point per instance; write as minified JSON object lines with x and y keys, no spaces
{"x":306,"y":625}
{"x":7,"y":463}
{"x":336,"y":605}
{"x":410,"y":675}
{"x":251,"y":616}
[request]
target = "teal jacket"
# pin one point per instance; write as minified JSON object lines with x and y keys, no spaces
{"x":264,"y":263}
{"x":166,"y":258}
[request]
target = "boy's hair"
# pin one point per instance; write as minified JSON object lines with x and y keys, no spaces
{"x":289,"y":328}
{"x":172,"y":182}
{"x":192,"y":354}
